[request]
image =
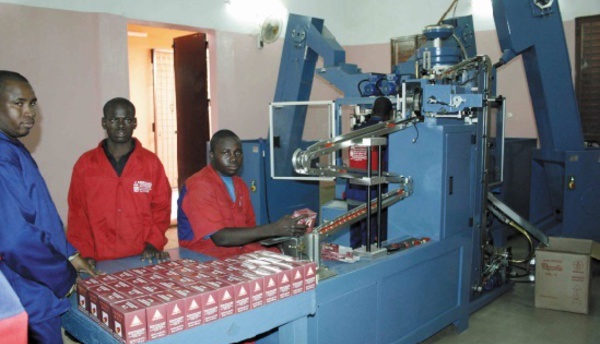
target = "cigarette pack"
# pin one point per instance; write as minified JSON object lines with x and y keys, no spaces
{"x":208,"y":301}
{"x":193,"y":305}
{"x":130,"y":321}
{"x":105,"y":302}
{"x":156,"y":316}
{"x":225,"y":295}
{"x":175,"y":310}
{"x":83,"y":301}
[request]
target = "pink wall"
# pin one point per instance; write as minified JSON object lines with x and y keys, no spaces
{"x":75,"y":61}
{"x":245,"y":84}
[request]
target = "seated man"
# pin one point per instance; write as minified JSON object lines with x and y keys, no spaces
{"x":215,"y":214}
{"x":119,"y":198}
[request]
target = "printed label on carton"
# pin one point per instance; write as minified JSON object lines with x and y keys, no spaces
{"x":130,"y":321}
{"x":175,"y":311}
{"x":105,"y":302}
{"x":209,"y":301}
{"x":93,"y":294}
{"x":241,"y":292}
{"x":193,"y":305}
{"x":156,"y":316}
{"x":83,"y":302}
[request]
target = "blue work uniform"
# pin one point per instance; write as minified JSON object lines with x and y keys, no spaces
{"x":34,"y":250}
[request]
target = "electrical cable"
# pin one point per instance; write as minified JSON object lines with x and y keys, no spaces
{"x":264,"y":180}
{"x":414,"y":140}
{"x":520,"y":229}
{"x":453,"y":4}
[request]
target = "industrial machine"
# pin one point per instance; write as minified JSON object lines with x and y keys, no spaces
{"x":439,"y":262}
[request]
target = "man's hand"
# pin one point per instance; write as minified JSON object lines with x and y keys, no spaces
{"x":288,"y":226}
{"x":150,"y":253}
{"x":83,"y":265}
{"x":91,"y":262}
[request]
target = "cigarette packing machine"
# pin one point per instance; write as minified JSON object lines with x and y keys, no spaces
{"x":445,"y":146}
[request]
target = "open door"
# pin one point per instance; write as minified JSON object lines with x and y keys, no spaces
{"x":191,"y":88}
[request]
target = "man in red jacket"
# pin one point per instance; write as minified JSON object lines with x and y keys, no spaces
{"x":215,"y":214}
{"x":119,"y":198}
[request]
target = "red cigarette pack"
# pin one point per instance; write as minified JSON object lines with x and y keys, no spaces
{"x":93,"y":297}
{"x":156,"y":316}
{"x":193,"y":305}
{"x":241,"y":292}
{"x":208,"y":301}
{"x":175,"y":310}
{"x":130,"y":321}
{"x":105,"y":302}
{"x":125,"y":275}
{"x":225,"y":295}
{"x":83,"y":301}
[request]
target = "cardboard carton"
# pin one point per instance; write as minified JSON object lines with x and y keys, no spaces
{"x":83,"y":301}
{"x":209,"y":301}
{"x":175,"y":309}
{"x":225,"y":295}
{"x":193,"y":305}
{"x":156,"y":316}
{"x":93,"y":299}
{"x":105,"y":302}
{"x":563,"y":274}
{"x":130,"y":321}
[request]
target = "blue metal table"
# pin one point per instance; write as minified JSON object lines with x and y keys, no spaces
{"x":289,"y":315}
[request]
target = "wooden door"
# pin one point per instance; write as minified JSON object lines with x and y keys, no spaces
{"x":191,"y":88}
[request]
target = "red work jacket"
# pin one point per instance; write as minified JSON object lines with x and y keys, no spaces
{"x":113,"y":217}
{"x":209,"y":208}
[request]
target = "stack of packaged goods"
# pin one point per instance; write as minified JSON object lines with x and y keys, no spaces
{"x":142,"y":304}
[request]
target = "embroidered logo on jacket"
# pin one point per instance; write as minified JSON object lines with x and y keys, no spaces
{"x":142,"y":186}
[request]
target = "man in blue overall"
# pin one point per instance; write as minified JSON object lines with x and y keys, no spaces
{"x":39,"y":263}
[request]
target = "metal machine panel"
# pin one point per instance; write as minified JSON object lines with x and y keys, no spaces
{"x":458,"y":177}
{"x":398,"y":299}
{"x":406,"y":296}
{"x":582,"y":195}
{"x":357,"y":306}
{"x":253,"y":173}
{"x":271,"y":198}
{"x":439,"y":153}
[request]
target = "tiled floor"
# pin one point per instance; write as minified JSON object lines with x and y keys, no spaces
{"x":513,"y":318}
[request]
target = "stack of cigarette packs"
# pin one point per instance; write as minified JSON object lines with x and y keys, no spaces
{"x":146,"y":303}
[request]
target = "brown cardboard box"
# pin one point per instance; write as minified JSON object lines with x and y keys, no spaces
{"x":563,"y":273}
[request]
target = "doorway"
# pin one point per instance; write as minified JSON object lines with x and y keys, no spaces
{"x":154,"y":93}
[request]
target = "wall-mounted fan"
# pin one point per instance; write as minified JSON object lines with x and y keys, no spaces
{"x":270,"y":29}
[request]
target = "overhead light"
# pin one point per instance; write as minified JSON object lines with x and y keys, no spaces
{"x":256,"y":11}
{"x":137,"y":34}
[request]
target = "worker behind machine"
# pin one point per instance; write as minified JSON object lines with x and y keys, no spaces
{"x":215,"y":215}
{"x":357,"y":194}
{"x":120,"y":197}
